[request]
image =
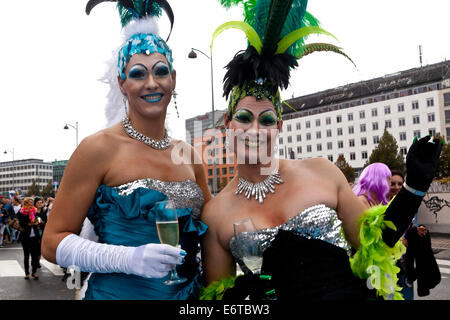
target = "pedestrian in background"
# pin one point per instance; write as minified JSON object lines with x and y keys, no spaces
{"x":3,"y":221}
{"x":17,"y":205}
{"x":30,"y":239}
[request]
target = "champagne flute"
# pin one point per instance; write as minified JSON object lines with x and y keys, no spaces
{"x":168,"y":233}
{"x":248,"y":243}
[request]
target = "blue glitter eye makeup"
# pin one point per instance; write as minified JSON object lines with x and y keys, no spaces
{"x":138,"y":72}
{"x":160,"y":69}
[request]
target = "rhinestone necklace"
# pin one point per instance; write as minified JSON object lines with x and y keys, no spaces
{"x":155,"y":144}
{"x":259,"y":189}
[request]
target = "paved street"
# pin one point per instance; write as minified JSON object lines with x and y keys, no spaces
{"x":13,"y":286}
{"x":50,"y":287}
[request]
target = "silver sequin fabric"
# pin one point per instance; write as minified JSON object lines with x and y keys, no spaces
{"x":316,"y":222}
{"x":184,"y":193}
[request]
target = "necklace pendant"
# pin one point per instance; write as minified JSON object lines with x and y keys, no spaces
{"x":258,"y":190}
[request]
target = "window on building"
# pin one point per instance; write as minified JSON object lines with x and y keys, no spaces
{"x":319,"y":147}
{"x":374,"y":125}
{"x":308,"y":136}
{"x":340,"y":144}
{"x":351,"y":142}
{"x":416,"y":119}
{"x":289,"y":128}
{"x":401,"y":107}
{"x":374,"y":112}
{"x":289,"y":139}
{"x":362,"y":114}
{"x":339,"y":131}
{"x":309,"y":148}
{"x":431,"y":117}
{"x":280,"y":140}
{"x":388,"y":124}
{"x":318,"y":134}
{"x":328,"y":133}
{"x":430,"y":102}
{"x":230,"y":160}
{"x":432,"y":132}
{"x":281,"y":152}
{"x":402,"y":136}
{"x":362,"y":127}
{"x":376,"y":139}
{"x":339,"y":119}
{"x":308,"y":124}
{"x":209,"y":161}
{"x":387,"y":110}
{"x":416,"y":133}
{"x":330,"y":157}
{"x":317,"y":122}
{"x":298,"y":126}
{"x":352,"y":156}
{"x":415,"y":105}
{"x":299,"y":137}
{"x":350,"y":116}
{"x":351,"y":130}
{"x":299,"y":149}
{"x":403,"y":151}
{"x":231,"y":170}
{"x":329,"y":145}
{"x":328,"y":120}
{"x":363,"y":141}
{"x":447,"y":101}
{"x":401,"y":122}
{"x":364,"y":155}
{"x":224,"y":170}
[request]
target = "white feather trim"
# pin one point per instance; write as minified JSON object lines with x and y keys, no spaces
{"x":144,"y":25}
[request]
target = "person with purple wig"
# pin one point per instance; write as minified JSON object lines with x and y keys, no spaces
{"x":373,"y":185}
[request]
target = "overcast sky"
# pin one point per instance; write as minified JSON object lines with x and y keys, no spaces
{"x":52,"y":56}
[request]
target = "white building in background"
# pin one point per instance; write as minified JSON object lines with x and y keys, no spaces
{"x":21,"y":173}
{"x":350,"y":120}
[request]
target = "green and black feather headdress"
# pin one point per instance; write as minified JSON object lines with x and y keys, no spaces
{"x":275,"y":30}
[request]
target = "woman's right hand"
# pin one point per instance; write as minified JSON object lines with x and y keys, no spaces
{"x":155,"y":260}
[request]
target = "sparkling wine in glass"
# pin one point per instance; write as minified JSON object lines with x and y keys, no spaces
{"x":168,"y":233}
{"x":248,"y":243}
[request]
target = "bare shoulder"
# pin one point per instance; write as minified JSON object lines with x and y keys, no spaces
{"x":216,"y":209}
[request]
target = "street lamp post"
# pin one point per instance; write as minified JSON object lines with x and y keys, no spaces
{"x":193,"y":55}
{"x":66,"y":127}
{"x":14,"y":171}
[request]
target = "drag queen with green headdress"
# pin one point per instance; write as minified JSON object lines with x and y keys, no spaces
{"x":122,"y":176}
{"x":317,"y":240}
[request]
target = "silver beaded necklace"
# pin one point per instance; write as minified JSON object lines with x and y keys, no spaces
{"x":259,"y":189}
{"x":155,"y":144}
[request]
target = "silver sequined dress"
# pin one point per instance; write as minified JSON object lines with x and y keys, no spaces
{"x":316,"y":222}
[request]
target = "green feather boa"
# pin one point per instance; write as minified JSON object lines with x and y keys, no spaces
{"x":216,"y":289}
{"x":375,"y":260}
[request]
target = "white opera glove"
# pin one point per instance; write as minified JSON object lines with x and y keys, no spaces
{"x":150,"y":261}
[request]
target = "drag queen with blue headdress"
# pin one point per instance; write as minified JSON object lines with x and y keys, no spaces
{"x":315,"y":238}
{"x":116,"y":177}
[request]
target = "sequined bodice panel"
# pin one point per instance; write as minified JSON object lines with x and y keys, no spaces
{"x":184,"y":194}
{"x":316,"y":222}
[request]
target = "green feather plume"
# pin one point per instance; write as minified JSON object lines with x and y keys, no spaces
{"x":316,"y":47}
{"x":216,"y":289}
{"x":128,"y":14}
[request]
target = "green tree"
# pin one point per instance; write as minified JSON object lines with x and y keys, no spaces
{"x":48,"y":190}
{"x":346,"y":169}
{"x":34,"y":189}
{"x":443,"y":168}
{"x":387,"y":152}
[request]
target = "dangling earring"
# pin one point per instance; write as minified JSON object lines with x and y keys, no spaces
{"x":174,"y":95}
{"x":124,"y":99}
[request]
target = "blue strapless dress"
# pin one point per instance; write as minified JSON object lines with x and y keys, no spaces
{"x":125,"y":215}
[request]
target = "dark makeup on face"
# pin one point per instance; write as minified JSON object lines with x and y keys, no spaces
{"x":266,"y":118}
{"x":140,"y":72}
